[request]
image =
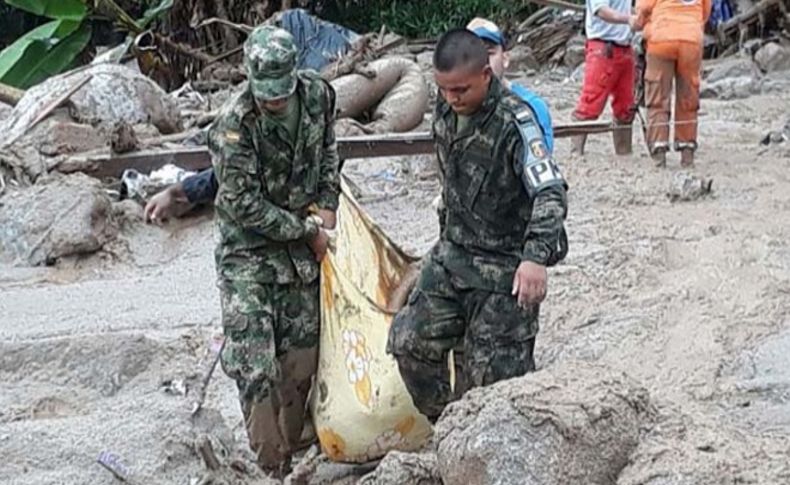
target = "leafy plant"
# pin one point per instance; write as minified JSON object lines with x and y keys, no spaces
{"x":52,"y":47}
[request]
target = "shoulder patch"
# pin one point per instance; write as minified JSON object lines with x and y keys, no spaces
{"x":538,"y":149}
{"x":232,"y":136}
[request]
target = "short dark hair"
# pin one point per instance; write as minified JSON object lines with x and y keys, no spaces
{"x":459,"y":48}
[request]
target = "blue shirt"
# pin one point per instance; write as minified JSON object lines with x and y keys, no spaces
{"x":541,"y":110}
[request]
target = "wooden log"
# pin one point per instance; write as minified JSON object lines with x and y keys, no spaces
{"x":103,"y":164}
{"x":10,"y":95}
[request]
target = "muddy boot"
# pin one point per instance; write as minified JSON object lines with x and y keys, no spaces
{"x":687,"y":157}
{"x":577,"y":147}
{"x":622,"y":135}
{"x":659,"y":157}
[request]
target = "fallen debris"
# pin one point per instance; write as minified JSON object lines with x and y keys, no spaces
{"x":573,"y":423}
{"x":687,"y":187}
{"x":400,"y":468}
{"x":62,"y":216}
{"x":773,"y":57}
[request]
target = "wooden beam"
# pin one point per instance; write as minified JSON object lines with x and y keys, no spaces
{"x":10,"y":95}
{"x":103,"y":164}
{"x":561,"y":4}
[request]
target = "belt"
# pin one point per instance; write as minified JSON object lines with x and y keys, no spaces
{"x":611,"y":43}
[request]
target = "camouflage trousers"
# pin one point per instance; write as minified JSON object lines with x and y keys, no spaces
{"x":490,"y":336}
{"x":271,"y":351}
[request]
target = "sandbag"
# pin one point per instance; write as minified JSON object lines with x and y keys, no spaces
{"x":361,"y":408}
{"x":398,"y":91}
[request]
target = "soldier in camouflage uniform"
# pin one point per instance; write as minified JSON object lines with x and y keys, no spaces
{"x":276,"y":163}
{"x":476,"y":303}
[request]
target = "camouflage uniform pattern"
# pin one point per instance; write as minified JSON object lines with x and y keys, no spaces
{"x":504,"y":202}
{"x":268,"y":185}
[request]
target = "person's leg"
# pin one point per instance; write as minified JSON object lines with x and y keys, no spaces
{"x":659,"y":73}
{"x":687,"y":100}
{"x":249,"y":358}
{"x":596,"y":86}
{"x":422,"y":335}
{"x":623,"y":106}
{"x":296,"y":336}
{"x":500,"y":338}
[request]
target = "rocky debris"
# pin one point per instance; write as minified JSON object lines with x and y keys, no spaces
{"x":60,"y":216}
{"x":730,"y":68}
{"x":123,"y":138}
{"x":114,"y":93}
{"x":773,"y":57}
{"x":522,"y":60}
{"x":574,"y":52}
{"x":5,"y":111}
{"x":686,"y":187}
{"x":777,"y":136}
{"x":425,"y":61}
{"x":399,"y":468}
{"x":574,"y":423}
{"x":686,"y":450}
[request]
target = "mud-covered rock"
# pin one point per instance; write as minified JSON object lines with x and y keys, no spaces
{"x":399,"y":468}
{"x":686,"y":187}
{"x":773,"y":57}
{"x":574,"y":52}
{"x":114,"y":93}
{"x":682,"y":451}
{"x":523,"y":60}
{"x":574,"y":423}
{"x":61,"y":216}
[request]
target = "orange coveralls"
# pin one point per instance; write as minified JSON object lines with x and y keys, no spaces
{"x":674,"y":32}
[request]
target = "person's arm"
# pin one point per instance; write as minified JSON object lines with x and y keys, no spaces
{"x":643,"y":10}
{"x":200,"y":188}
{"x":602,"y":10}
{"x":240,"y":195}
{"x":329,"y":172}
{"x":545,"y":241}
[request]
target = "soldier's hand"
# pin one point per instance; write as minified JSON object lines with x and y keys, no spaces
{"x":329,"y":218}
{"x":169,"y":203}
{"x":319,"y":244}
{"x":529,"y":283}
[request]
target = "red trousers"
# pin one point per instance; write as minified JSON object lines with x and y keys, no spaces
{"x":608,"y":70}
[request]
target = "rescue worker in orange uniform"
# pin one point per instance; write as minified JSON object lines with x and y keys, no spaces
{"x":673,"y":30}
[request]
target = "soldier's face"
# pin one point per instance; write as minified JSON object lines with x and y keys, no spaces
{"x":274,"y":106}
{"x":498,"y":59}
{"x":464,"y":88}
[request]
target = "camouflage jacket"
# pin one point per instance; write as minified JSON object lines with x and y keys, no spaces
{"x":504,"y":197}
{"x":267,"y":186}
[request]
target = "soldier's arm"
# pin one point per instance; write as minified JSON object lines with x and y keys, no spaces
{"x":329,"y":176}
{"x":240,"y":193}
{"x":545,"y":241}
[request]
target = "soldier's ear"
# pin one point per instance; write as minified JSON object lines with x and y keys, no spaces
{"x":506,"y":59}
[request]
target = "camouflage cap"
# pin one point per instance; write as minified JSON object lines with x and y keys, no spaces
{"x":270,"y":59}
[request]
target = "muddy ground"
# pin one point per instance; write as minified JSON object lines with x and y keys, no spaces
{"x":690,"y":298}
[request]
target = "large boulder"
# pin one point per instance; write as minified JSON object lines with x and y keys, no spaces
{"x":400,"y":468}
{"x":773,"y":57}
{"x":574,"y":424}
{"x":60,"y":216}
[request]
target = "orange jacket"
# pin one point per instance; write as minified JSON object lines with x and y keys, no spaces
{"x":673,"y":20}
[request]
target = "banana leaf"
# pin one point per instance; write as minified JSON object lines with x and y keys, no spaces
{"x":50,"y":32}
{"x":75,"y":10}
{"x":47,"y":57}
{"x":155,"y":12}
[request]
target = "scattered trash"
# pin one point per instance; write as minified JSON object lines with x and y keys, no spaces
{"x":113,"y":464}
{"x":686,"y":187}
{"x":142,"y":187}
{"x":175,"y":387}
